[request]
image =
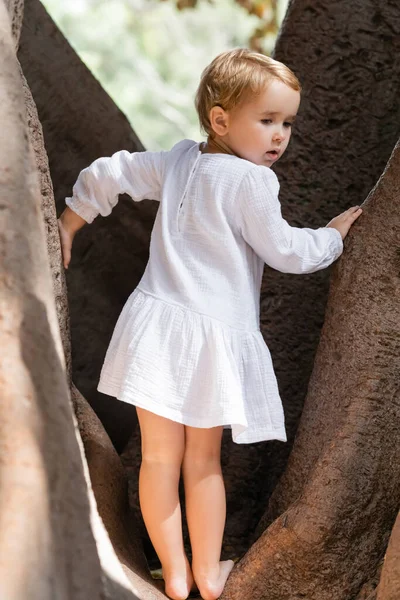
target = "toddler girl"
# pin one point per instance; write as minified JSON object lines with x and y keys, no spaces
{"x":187,"y":349}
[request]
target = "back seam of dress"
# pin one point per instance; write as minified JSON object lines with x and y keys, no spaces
{"x":189,"y":180}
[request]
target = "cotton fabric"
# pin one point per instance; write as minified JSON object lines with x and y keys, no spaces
{"x":188,"y":345}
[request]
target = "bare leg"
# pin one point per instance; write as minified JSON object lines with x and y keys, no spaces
{"x":163,"y":443}
{"x":205,"y":508}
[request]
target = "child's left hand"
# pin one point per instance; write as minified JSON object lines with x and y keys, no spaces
{"x":345,"y":220}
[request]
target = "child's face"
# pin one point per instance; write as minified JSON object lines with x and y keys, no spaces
{"x":259,"y":130}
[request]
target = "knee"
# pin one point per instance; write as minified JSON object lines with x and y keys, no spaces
{"x":152,"y":458}
{"x":200,"y":460}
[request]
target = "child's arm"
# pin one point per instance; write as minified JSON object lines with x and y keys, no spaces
{"x":97,"y":188}
{"x":282,"y":247}
{"x":96,"y":191}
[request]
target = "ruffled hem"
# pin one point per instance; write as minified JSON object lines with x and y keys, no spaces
{"x":193,"y":369}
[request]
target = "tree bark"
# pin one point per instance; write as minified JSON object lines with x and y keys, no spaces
{"x":58,"y":546}
{"x":345,"y":55}
{"x":343,"y":475}
{"x":80,"y":123}
{"x":49,"y":550}
{"x":389,"y":585}
{"x":16,"y":12}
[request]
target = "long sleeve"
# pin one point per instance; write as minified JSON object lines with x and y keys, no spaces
{"x":96,"y":191}
{"x":282,"y":247}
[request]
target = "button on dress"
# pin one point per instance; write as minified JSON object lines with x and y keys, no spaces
{"x":187,"y":345}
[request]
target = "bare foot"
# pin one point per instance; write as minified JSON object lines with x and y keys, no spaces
{"x":211,"y":587}
{"x":178,"y":587}
{"x":225,"y":567}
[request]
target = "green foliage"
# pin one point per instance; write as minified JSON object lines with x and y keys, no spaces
{"x":148,"y":55}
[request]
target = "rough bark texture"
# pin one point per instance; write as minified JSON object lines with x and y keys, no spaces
{"x":80,"y":123}
{"x":343,"y":474}
{"x":346,"y":56}
{"x":389,"y":586}
{"x":52,"y":543}
{"x":62,"y":548}
{"x":369,"y":589}
{"x":110,"y":487}
{"x":16,"y":12}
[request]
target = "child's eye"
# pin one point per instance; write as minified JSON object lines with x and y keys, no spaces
{"x":287,"y":124}
{"x":266,"y":121}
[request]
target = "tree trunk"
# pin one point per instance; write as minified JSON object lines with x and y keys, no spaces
{"x":389,"y":586}
{"x":346,"y":56}
{"x":58,"y":547}
{"x":52,"y":542}
{"x":16,"y":12}
{"x":80,"y":123}
{"x":343,"y":475}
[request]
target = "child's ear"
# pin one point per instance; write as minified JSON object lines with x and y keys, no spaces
{"x":219,"y":120}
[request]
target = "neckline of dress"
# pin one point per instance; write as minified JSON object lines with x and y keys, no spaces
{"x":200,"y":153}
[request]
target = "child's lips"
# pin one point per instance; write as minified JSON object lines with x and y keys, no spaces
{"x":273,"y":154}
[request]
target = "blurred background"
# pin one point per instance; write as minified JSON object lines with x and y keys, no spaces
{"x":149,"y":54}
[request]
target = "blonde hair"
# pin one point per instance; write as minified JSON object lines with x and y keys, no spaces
{"x":232,"y":76}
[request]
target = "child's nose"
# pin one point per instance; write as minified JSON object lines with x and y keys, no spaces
{"x":279,"y":134}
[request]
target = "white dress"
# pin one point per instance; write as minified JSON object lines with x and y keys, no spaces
{"x":188,"y":345}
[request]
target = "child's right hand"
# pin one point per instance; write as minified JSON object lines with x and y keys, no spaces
{"x":68,"y":224}
{"x":345,"y":220}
